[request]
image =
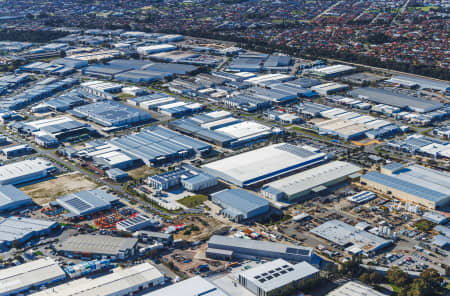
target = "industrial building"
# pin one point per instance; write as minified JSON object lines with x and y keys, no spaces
{"x":333,"y":71}
{"x":224,"y":247}
{"x":194,"y":286}
{"x":111,"y":114}
{"x":25,"y":171}
{"x":120,"y":282}
{"x":191,"y":178}
{"x":419,"y":82}
{"x":12,"y":198}
{"x":37,"y":273}
{"x":362,"y":197}
{"x":355,"y":289}
{"x":165,"y":238}
{"x":136,"y":223}
{"x":61,"y":128}
{"x":435,"y":217}
{"x":311,"y":181}
{"x":240,"y":204}
{"x":396,"y":99}
{"x":262,"y":164}
{"x":86,"y":202}
{"x":16,"y":151}
{"x":329,"y":88}
{"x":22,"y":229}
{"x":117,"y":174}
{"x":225,"y":132}
{"x":98,"y":246}
{"x":152,"y":49}
{"x":352,"y":238}
{"x":158,"y":146}
{"x":271,"y":277}
{"x":414,"y":184}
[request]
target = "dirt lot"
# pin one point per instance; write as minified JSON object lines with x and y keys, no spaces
{"x":188,"y":261}
{"x":142,"y":172}
{"x":49,"y":190}
{"x":206,"y":226}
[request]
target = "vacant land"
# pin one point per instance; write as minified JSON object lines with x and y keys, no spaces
{"x":193,"y":200}
{"x":142,"y":172}
{"x":49,"y":190}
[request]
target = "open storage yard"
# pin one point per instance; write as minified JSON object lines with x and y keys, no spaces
{"x":49,"y":190}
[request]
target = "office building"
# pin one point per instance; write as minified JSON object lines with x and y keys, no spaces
{"x":271,"y":277}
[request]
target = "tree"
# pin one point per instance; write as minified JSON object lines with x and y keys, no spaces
{"x":397,"y":277}
{"x":365,"y":278}
{"x":420,"y":287}
{"x":376,"y":278}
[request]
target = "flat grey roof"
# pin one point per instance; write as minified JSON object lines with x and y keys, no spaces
{"x":190,"y":287}
{"x":259,"y":245}
{"x":97,"y":244}
{"x":15,"y":228}
{"x":240,"y":200}
{"x":344,"y":234}
{"x":405,"y":186}
{"x":10,"y":195}
{"x":401,"y":100}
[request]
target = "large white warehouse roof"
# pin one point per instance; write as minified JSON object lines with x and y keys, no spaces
{"x":261,"y":164}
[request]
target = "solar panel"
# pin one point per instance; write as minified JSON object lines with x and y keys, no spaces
{"x":295,"y":150}
{"x":78,"y":204}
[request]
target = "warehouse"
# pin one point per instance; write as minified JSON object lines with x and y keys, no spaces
{"x":120,"y":282}
{"x":37,"y":273}
{"x":343,"y":128}
{"x":152,"y":49}
{"x":246,"y":102}
{"x":333,"y":71}
{"x":106,"y":155}
{"x":98,"y":246}
{"x":86,"y":202}
{"x":416,"y":184}
{"x":12,"y":198}
{"x":345,"y":235}
{"x":62,"y":128}
{"x":396,"y":99}
{"x":158,"y":146}
{"x":240,"y":204}
{"x":144,"y":235}
{"x":271,"y":277}
{"x":111,"y":114}
{"x":105,"y":71}
{"x":22,"y":229}
{"x":273,"y":95}
{"x":313,"y":180}
{"x":252,"y":249}
{"x":312,"y":109}
{"x":136,"y":223}
{"x":191,"y":178}
{"x":194,"y":286}
{"x":17,"y":150}
{"x":329,"y":88}
{"x":355,"y":289}
{"x":141,"y":76}
{"x":423,"y":83}
{"x":232,"y":133}
{"x":65,"y":102}
{"x":25,"y":171}
{"x":262,"y":164}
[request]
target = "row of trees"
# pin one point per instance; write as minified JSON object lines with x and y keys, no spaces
{"x":30,"y":35}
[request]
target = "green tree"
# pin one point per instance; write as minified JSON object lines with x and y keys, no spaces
{"x":421,"y":287}
{"x":397,"y":277}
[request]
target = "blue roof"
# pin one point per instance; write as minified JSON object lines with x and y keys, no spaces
{"x":405,"y":186}
{"x":241,"y":200}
